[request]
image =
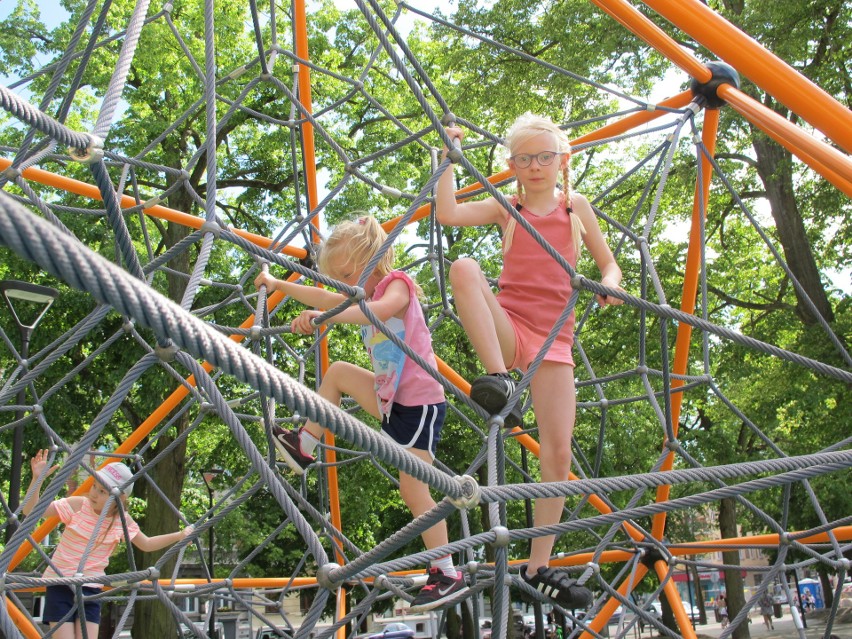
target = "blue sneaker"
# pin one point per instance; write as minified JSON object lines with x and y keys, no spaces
{"x":439,"y":589}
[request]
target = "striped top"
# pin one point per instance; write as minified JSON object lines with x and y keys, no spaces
{"x":80,"y":526}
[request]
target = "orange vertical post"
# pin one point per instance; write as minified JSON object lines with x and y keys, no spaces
{"x":308,"y":151}
{"x":687,"y":301}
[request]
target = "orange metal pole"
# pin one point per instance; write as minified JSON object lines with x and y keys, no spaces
{"x":829,"y":162}
{"x":630,"y":17}
{"x":171,"y":215}
{"x":687,"y":301}
{"x":602,"y":618}
{"x":308,"y":150}
{"x":841,"y":533}
{"x":19,"y":618}
{"x":670,"y":592}
{"x":637,"y":119}
{"x":763,"y":68}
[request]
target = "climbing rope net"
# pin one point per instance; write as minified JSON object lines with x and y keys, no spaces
{"x":249,"y":374}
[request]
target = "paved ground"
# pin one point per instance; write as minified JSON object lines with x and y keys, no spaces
{"x":785,"y":628}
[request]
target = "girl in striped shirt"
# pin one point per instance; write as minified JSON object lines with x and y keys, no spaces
{"x":80,"y":516}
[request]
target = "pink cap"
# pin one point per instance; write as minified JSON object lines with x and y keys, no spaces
{"x":115,"y":475}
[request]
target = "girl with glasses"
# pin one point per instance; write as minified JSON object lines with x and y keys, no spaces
{"x":508,"y":329}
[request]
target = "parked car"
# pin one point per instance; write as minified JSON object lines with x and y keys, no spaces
{"x":269,"y":633}
{"x":203,"y":629}
{"x":655,"y":609}
{"x":691,"y":610}
{"x":397,"y":630}
{"x":485,"y":628}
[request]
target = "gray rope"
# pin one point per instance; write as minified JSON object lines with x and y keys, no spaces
{"x":85,"y":270}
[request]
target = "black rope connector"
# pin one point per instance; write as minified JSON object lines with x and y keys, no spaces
{"x":722,"y":74}
{"x":652,"y":556}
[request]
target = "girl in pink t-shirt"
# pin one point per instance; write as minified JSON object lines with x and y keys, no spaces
{"x":409,"y":402}
{"x":80,"y":516}
{"x":508,"y":330}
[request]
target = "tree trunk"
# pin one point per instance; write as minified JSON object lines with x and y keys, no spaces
{"x":151,"y":618}
{"x":698,"y":594}
{"x":775,"y":166}
{"x":734,"y":593}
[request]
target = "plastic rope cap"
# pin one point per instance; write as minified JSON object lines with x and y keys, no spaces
{"x":471,"y":492}
{"x":93,"y":153}
{"x":324,"y":576}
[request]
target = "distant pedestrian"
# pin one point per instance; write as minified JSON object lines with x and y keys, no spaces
{"x":722,"y":609}
{"x":765,"y":603}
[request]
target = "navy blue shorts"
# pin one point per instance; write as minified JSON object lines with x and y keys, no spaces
{"x":416,"y":426}
{"x":60,"y":599}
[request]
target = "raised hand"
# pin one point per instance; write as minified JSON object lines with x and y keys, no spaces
{"x":39,"y":462}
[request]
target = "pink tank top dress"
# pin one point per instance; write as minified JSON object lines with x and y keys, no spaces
{"x":535,"y":289}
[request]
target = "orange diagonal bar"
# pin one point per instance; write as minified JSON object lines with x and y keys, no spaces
{"x":671,"y":593}
{"x":833,"y":165}
{"x":602,"y":618}
{"x":154,"y":210}
{"x":20,"y":619}
{"x":630,"y":18}
{"x":760,"y":66}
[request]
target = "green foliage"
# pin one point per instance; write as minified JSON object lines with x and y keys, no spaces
{"x":781,"y":408}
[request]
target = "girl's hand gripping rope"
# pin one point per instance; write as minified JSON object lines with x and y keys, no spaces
{"x":304,"y":323}
{"x":605,"y":300}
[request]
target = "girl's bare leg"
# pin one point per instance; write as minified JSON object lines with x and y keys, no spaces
{"x":555,"y":406}
{"x":483,"y":318}
{"x":419,"y":500}
{"x":343,"y":378}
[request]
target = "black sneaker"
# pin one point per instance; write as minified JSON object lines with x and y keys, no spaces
{"x":439,"y":589}
{"x":558,"y":586}
{"x":492,"y":392}
{"x":287,"y":443}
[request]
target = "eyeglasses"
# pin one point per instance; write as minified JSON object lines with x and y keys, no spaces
{"x":545,"y":158}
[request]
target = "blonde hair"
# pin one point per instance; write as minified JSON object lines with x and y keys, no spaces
{"x":112,"y":515}
{"x":528,"y":126}
{"x":356,"y":242}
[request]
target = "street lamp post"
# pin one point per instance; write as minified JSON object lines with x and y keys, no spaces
{"x":208,"y":476}
{"x":41,"y":297}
